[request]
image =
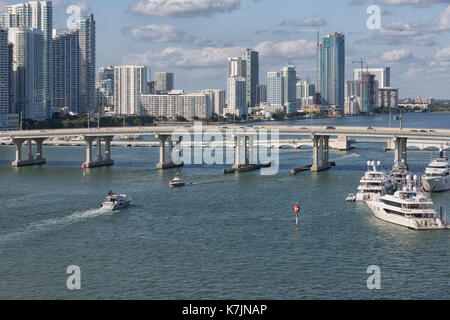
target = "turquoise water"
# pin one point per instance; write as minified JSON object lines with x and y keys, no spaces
{"x":221,"y":237}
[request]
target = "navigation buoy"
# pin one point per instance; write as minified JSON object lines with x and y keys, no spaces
{"x":297,"y":212}
{"x":84,"y":169}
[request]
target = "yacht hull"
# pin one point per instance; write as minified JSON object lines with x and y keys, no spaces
{"x":411,"y":223}
{"x":115,"y":206}
{"x":436,"y":184}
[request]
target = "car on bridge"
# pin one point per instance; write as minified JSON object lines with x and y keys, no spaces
{"x":331,"y":128}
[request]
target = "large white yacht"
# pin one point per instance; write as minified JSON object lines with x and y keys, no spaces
{"x":375,"y":183}
{"x":409,"y":208}
{"x":437,"y":175}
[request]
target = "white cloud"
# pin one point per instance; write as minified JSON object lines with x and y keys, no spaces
{"x":167,"y":33}
{"x":316,"y":21}
{"x":184,"y":8}
{"x":400,"y":55}
{"x":205,"y":59}
{"x":442,"y":21}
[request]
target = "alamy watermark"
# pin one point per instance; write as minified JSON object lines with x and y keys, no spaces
{"x":75,"y":15}
{"x":374,"y":281}
{"x":374,"y":20}
{"x":214,"y":146}
{"x":74,"y":280}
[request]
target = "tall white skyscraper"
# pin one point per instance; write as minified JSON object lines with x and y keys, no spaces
{"x":290,"y":80}
{"x":275,"y":89}
{"x":236,"y":97}
{"x":237,"y":67}
{"x":305,"y":93}
{"x":87,"y":41}
{"x":129,"y":83}
{"x":5,"y":73}
{"x":28,"y":69}
{"x":37,"y":16}
{"x":382,"y":75}
{"x":66,"y":70}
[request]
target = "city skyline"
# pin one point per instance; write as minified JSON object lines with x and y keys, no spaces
{"x":165,"y":39}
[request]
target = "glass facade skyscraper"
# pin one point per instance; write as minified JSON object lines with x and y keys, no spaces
{"x":332,"y":69}
{"x":252,"y":77}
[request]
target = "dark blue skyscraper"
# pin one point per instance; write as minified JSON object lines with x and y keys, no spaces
{"x":332,"y":70}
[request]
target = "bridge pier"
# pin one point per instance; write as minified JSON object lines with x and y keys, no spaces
{"x":320,"y":153}
{"x":30,"y":159}
{"x":99,"y":161}
{"x":165,"y":156}
{"x":244,"y":155}
{"x":401,"y":152}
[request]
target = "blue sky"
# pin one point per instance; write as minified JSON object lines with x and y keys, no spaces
{"x":193,"y":38}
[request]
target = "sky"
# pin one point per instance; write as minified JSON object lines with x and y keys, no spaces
{"x":194,"y":38}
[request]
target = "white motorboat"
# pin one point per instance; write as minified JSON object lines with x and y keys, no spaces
{"x":351,"y":198}
{"x":437,"y":175}
{"x":177,"y":182}
{"x":409,"y":208}
{"x":116,"y":201}
{"x":375,"y":183}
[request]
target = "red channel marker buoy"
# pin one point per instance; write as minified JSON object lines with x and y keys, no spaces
{"x":297,"y":212}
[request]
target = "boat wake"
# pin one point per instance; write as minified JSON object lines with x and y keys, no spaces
{"x":48,"y":225}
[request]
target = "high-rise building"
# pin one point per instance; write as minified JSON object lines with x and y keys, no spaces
{"x":252,"y":77}
{"x":105,"y":73}
{"x":66,"y":70}
{"x":87,"y":41}
{"x":236,"y":97}
{"x":388,"y":97}
{"x":353,"y":88}
{"x":217,"y":100}
{"x":37,"y":16}
{"x":332,"y":69}
{"x":368,"y":93}
{"x":289,"y":75}
{"x":382,"y":75}
{"x":275,"y":89}
{"x":351,"y":106}
{"x":5,"y":73}
{"x":179,"y":104}
{"x":261,"y":94}
{"x":305,"y":93}
{"x":237,"y":67}
{"x":164,"y":82}
{"x":28,"y":69}
{"x":129,"y":83}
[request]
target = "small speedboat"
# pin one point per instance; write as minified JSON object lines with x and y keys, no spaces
{"x":351,"y":198}
{"x":176,"y":182}
{"x":116,"y":201}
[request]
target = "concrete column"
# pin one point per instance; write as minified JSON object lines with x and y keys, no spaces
{"x":89,"y":141}
{"x":320,"y":153}
{"x":99,"y":157}
{"x":252,"y":158}
{"x":169,"y":154}
{"x":30,"y":150}
{"x":108,"y":148}
{"x":162,"y":151}
{"x":18,"y":144}
{"x":39,"y":143}
{"x":247,"y":149}
{"x":401,"y":152}
{"x":326,"y":150}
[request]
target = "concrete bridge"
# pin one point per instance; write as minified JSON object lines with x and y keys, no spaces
{"x":244,"y":139}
